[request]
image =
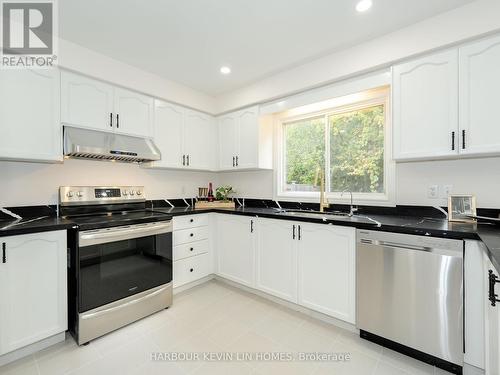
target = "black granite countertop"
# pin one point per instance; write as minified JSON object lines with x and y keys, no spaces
{"x":12,"y":227}
{"x":424,"y":223}
{"x":416,"y":225}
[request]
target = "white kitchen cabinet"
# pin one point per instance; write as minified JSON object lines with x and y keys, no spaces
{"x":245,"y":141}
{"x":30,"y":115}
{"x":185,"y":138}
{"x":90,"y":103}
{"x":326,"y":269}
{"x":169,"y":134}
{"x":479,"y":83}
{"x":199,"y":141}
{"x":227,"y":142}
{"x":86,"y":102}
{"x":236,"y":248}
{"x":191,"y":249}
{"x":134,"y":113}
{"x":33,"y":292}
{"x":425,"y":107}
{"x":276,"y":261}
{"x":492,"y":323}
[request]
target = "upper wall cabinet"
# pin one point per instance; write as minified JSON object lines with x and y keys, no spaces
{"x":200,"y":141}
{"x":86,"y":102}
{"x":186,"y":138}
{"x":425,"y":107}
{"x":245,"y":141}
{"x":479,"y":84}
{"x":30,"y":126}
{"x":133,"y":112}
{"x":169,"y":135}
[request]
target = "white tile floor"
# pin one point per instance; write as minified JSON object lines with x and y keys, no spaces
{"x":215,"y":317}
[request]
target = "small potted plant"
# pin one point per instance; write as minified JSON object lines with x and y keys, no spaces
{"x":222,"y":193}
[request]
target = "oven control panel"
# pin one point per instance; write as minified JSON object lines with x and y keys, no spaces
{"x":80,"y":195}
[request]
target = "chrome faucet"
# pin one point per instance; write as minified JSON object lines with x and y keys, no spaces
{"x":352,"y":209}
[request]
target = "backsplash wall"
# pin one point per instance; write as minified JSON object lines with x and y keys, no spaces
{"x":34,"y":184}
{"x":467,"y":176}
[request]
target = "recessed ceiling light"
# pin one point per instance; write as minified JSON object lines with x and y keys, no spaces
{"x":225,"y":70}
{"x":364,"y":5}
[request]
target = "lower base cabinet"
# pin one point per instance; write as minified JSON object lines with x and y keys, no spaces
{"x":236,"y":249}
{"x":33,"y":289}
{"x":312,"y":265}
{"x":326,"y":270}
{"x":192,"y":255}
{"x":191,"y":269}
{"x":276,"y":263}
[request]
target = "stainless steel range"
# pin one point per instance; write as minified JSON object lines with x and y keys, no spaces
{"x":120,"y":260}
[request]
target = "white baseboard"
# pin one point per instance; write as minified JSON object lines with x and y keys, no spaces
{"x":190,"y":285}
{"x":30,"y":349}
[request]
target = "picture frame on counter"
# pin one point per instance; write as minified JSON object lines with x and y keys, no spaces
{"x":462,"y":208}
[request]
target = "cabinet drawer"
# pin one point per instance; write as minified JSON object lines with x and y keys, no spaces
{"x":190,"y":235}
{"x":191,"y":221}
{"x":190,"y":249}
{"x":191,"y":269}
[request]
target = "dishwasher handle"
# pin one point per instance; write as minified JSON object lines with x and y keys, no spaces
{"x":394,"y":244}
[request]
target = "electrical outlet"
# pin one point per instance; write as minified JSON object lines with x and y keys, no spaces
{"x":433,"y":191}
{"x":446,"y":191}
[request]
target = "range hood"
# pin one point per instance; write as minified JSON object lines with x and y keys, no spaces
{"x":99,"y":145}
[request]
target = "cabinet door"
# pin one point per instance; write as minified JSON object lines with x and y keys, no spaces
{"x":29,"y":115}
{"x":199,"y":138}
{"x":227,"y":141}
{"x":86,"y":102}
{"x":492,"y":326}
{"x":479,"y":83}
{"x":248,"y":138}
{"x":235,"y":248}
{"x":277,"y":258}
{"x":326,"y":270}
{"x":168,"y":134}
{"x":425,"y":107}
{"x":32,"y":289}
{"x":135,"y":113}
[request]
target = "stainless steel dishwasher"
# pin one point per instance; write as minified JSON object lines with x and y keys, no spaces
{"x":410,"y":295}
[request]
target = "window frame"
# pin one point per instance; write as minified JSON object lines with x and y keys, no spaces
{"x":379,"y":96}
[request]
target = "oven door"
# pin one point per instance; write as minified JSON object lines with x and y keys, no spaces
{"x":115,"y":263}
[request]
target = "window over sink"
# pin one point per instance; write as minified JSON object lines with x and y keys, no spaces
{"x":347,"y":139}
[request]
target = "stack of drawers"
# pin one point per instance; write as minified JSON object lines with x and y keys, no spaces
{"x":192,"y":260}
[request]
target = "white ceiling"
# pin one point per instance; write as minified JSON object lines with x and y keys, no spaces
{"x":189,"y":40}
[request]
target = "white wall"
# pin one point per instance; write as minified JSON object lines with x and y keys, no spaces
{"x":85,"y":61}
{"x":469,"y":21}
{"x":36,"y":184}
{"x":468,"y":176}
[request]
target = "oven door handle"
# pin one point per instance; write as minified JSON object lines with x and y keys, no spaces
{"x":100,"y":236}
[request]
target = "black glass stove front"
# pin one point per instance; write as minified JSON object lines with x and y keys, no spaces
{"x":115,"y":270}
